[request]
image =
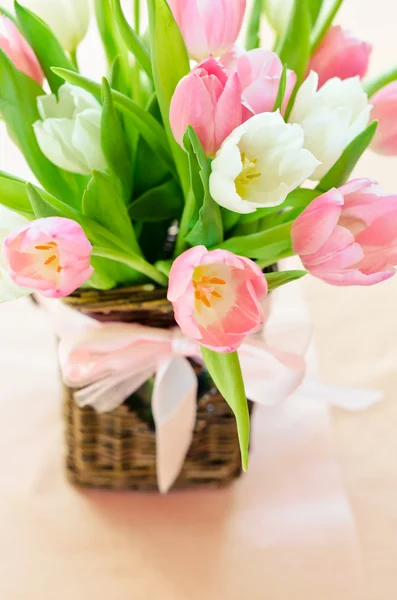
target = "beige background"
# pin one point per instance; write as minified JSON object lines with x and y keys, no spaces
{"x":356,"y":331}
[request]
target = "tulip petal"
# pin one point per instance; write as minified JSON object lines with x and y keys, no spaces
{"x":314,"y":226}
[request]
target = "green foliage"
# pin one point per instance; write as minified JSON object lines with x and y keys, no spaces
{"x":323,"y":24}
{"x":102,"y":203}
{"x":294,"y":49}
{"x":45,"y":45}
{"x":208,"y":229}
{"x":342,"y":169}
{"x":374,"y":85}
{"x":281,"y":90}
{"x":132,"y":40}
{"x":252,"y":38}
{"x":18,"y":97}
{"x":105,"y":243}
{"x":170,"y":63}
{"x":161,"y":203}
{"x":314,"y":7}
{"x":112,"y":41}
{"x":114,"y":144}
{"x":225,"y":370}
{"x":255,"y":245}
{"x":13,"y":195}
{"x":275,"y":280}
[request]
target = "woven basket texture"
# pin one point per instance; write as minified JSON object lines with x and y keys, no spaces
{"x":117,"y":449}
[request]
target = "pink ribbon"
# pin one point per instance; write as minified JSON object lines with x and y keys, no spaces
{"x":107,"y":362}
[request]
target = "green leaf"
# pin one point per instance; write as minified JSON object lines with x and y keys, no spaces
{"x":44,"y":43}
{"x":294,"y":48}
{"x":252,"y":38}
{"x":150,"y":171}
{"x":13,"y":194}
{"x":295,"y":199}
{"x":281,"y":90}
{"x":314,"y":7}
{"x":111,"y":39}
{"x":42,"y":207}
{"x":18,"y":97}
{"x":229,"y":219}
{"x":103,"y":204}
{"x":132,"y":40}
{"x":374,"y":85}
{"x":226,"y":373}
{"x":100,"y":279}
{"x":164,"y":266}
{"x":324,"y":23}
{"x":209,"y":228}
{"x":272,"y":251}
{"x":114,"y":144}
{"x":161,"y":203}
{"x":254,"y":245}
{"x":145,"y":123}
{"x":342,"y":169}
{"x":195,"y":197}
{"x":170,"y":63}
{"x":117,"y":83}
{"x":275,"y":280}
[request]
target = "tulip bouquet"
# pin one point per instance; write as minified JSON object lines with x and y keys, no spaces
{"x":196,"y":163}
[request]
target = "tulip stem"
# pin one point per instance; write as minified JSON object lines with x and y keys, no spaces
{"x":73,"y":58}
{"x":252,"y":38}
{"x":323,"y":24}
{"x":373,"y":86}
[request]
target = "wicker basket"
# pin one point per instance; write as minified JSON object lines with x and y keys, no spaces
{"x":118,"y":449}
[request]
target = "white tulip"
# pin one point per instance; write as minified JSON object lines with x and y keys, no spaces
{"x":278,"y":13}
{"x":331,"y":117}
{"x":69,"y":134}
{"x":259,"y":164}
{"x":9,"y":220}
{"x":68,"y":19}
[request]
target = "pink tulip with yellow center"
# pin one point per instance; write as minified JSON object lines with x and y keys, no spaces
{"x":340,"y":54}
{"x":260,"y":73}
{"x":209,"y":100}
{"x":50,"y":256}
{"x":208,"y":26}
{"x":385,"y":111}
{"x":348,"y":236}
{"x":216,"y":297}
{"x":18,"y":50}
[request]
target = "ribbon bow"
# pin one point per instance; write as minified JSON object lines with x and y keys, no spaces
{"x":107,"y":362}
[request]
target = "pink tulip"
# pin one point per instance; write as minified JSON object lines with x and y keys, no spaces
{"x":260,"y":72}
{"x":348,"y":236}
{"x":51,"y":256}
{"x":385,"y":111}
{"x":340,"y":54}
{"x":209,"y":26}
{"x":209,"y":100}
{"x":216,"y":297}
{"x":18,"y":50}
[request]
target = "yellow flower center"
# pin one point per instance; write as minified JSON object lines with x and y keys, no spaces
{"x":247,"y":174}
{"x":50,"y":255}
{"x":206,"y":289}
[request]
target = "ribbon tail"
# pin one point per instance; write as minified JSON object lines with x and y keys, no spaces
{"x":352,"y":399}
{"x":174,"y":407}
